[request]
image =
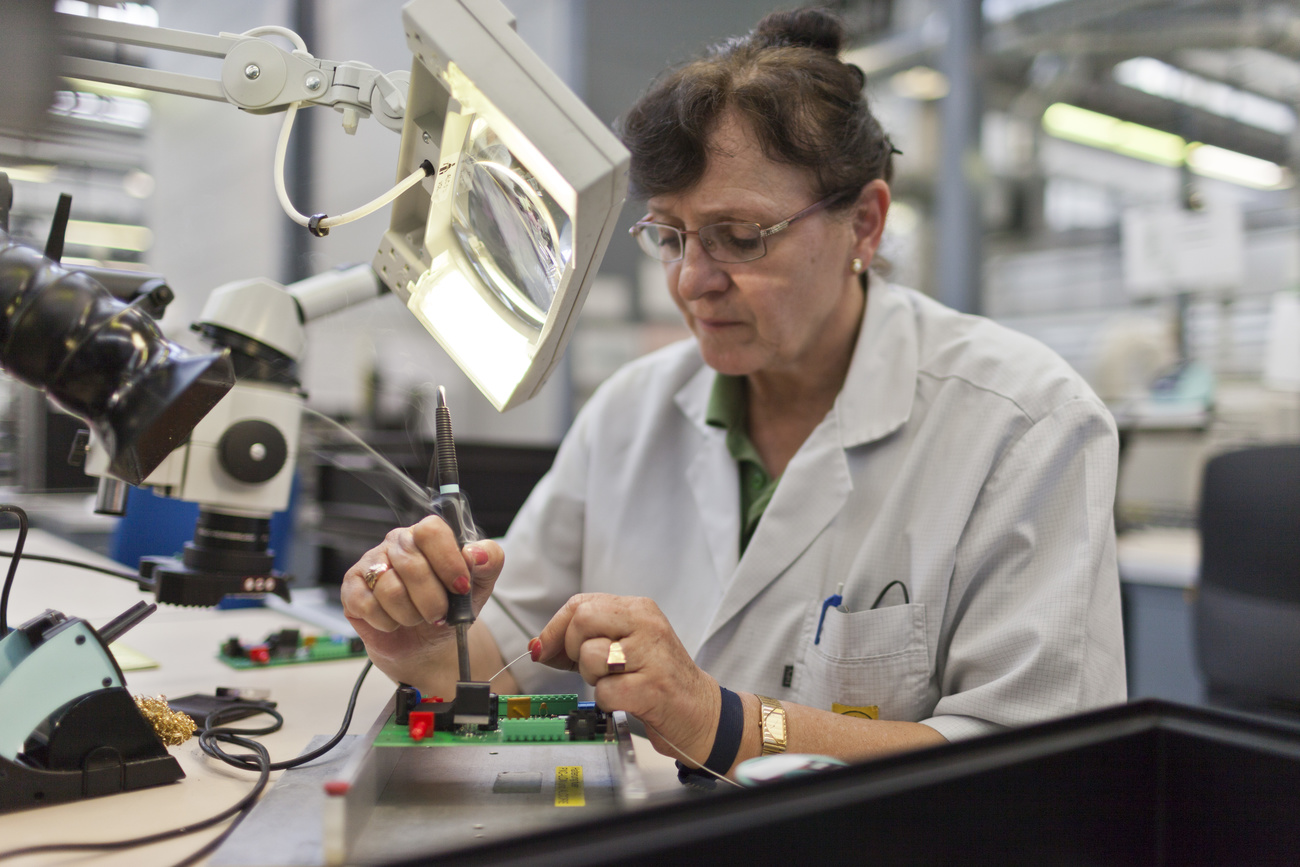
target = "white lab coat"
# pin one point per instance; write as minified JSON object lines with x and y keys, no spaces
{"x":965,"y":459}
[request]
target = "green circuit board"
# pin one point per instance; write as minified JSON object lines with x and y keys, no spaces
{"x":545,"y":723}
{"x":288,"y":647}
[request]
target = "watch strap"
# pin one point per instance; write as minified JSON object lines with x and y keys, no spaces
{"x":726,"y":743}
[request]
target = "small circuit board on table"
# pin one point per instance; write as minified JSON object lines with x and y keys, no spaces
{"x":510,"y":719}
{"x":289,"y":647}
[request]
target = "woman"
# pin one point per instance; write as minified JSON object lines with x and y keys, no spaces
{"x":840,"y":500}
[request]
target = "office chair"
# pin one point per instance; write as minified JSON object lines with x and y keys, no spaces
{"x":1248,"y":604}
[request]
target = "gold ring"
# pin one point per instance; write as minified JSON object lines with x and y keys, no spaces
{"x":371,"y":575}
{"x":616,"y":661}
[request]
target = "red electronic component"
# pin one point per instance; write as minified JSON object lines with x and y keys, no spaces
{"x":259,"y":654}
{"x":433,"y":699}
{"x":421,"y":724}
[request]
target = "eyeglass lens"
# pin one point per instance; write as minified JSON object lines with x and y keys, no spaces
{"x":724,"y":242}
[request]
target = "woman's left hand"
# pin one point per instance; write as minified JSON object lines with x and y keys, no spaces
{"x":660,"y":684}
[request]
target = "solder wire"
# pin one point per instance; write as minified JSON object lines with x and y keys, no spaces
{"x":699,"y":765}
{"x":508,"y":664}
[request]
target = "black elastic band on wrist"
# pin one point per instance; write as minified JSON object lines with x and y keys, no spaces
{"x":726,"y":743}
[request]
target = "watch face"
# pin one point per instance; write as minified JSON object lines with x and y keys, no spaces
{"x":775,"y":726}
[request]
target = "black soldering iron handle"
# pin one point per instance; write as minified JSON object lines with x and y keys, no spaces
{"x":119,"y":625}
{"x":449,"y":507}
{"x":459,"y":607}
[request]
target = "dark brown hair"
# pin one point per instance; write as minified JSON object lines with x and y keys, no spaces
{"x":785,"y":79}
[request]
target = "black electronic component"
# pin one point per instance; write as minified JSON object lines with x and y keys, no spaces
{"x":475,"y":704}
{"x":444,"y":714}
{"x":586,"y":724}
{"x":283,"y":643}
{"x":406,"y":700}
{"x":233,"y":648}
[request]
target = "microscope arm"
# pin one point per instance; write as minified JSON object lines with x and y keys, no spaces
{"x":335,"y":290}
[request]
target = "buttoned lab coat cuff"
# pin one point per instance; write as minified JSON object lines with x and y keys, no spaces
{"x":959,"y":728}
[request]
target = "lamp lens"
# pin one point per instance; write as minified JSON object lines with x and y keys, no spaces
{"x":518,"y":239}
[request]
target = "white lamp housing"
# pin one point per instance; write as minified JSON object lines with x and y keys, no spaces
{"x":495,"y":252}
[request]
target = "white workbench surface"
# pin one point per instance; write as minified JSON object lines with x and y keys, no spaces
{"x":184,"y":641}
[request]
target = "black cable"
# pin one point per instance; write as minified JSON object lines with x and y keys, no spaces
{"x":13,"y":565}
{"x":242,"y":805}
{"x":62,"y":561}
{"x":208,"y":743}
{"x":906,"y":598}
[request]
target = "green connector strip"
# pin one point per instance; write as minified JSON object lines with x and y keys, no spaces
{"x":556,"y":705}
{"x":537,"y":729}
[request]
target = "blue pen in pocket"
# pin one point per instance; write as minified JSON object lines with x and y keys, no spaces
{"x":836,"y":600}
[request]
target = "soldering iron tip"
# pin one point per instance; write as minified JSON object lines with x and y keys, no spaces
{"x":442,"y":396}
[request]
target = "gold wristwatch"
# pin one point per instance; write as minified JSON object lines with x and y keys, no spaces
{"x":771,"y":725}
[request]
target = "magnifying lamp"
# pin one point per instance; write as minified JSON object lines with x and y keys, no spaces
{"x":494,"y":253}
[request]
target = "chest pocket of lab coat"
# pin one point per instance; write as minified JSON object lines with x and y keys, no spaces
{"x":875,"y":657}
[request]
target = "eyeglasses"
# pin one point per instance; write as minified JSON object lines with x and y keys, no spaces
{"x":723,"y":242}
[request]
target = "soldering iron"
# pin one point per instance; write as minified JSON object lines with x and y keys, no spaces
{"x":453,"y":509}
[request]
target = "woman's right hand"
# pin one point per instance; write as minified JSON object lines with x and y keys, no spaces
{"x":401,"y":618}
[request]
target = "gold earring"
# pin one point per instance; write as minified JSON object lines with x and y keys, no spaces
{"x":856,"y":265}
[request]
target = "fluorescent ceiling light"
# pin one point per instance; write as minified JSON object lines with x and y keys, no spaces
{"x":1238,"y":168}
{"x":921,"y":83}
{"x":115,"y":236}
{"x":106,"y":88}
{"x":120,"y":111}
{"x":998,"y":11}
{"x":113,"y":264}
{"x":1112,"y":134}
{"x":1142,"y":142}
{"x":1169,"y":82}
{"x":33,"y":174}
{"x":129,"y":13}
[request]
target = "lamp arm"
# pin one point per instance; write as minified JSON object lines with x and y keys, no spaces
{"x":256,"y":75}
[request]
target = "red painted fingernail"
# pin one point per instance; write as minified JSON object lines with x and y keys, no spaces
{"x":480,"y":557}
{"x":460,"y":585}
{"x":535,"y":649}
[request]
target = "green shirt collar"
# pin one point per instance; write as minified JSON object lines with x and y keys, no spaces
{"x":727,"y":409}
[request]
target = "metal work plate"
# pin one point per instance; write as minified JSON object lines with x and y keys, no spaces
{"x":403,"y":801}
{"x":437,"y":800}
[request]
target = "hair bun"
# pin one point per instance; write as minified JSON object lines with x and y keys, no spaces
{"x":811,"y":28}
